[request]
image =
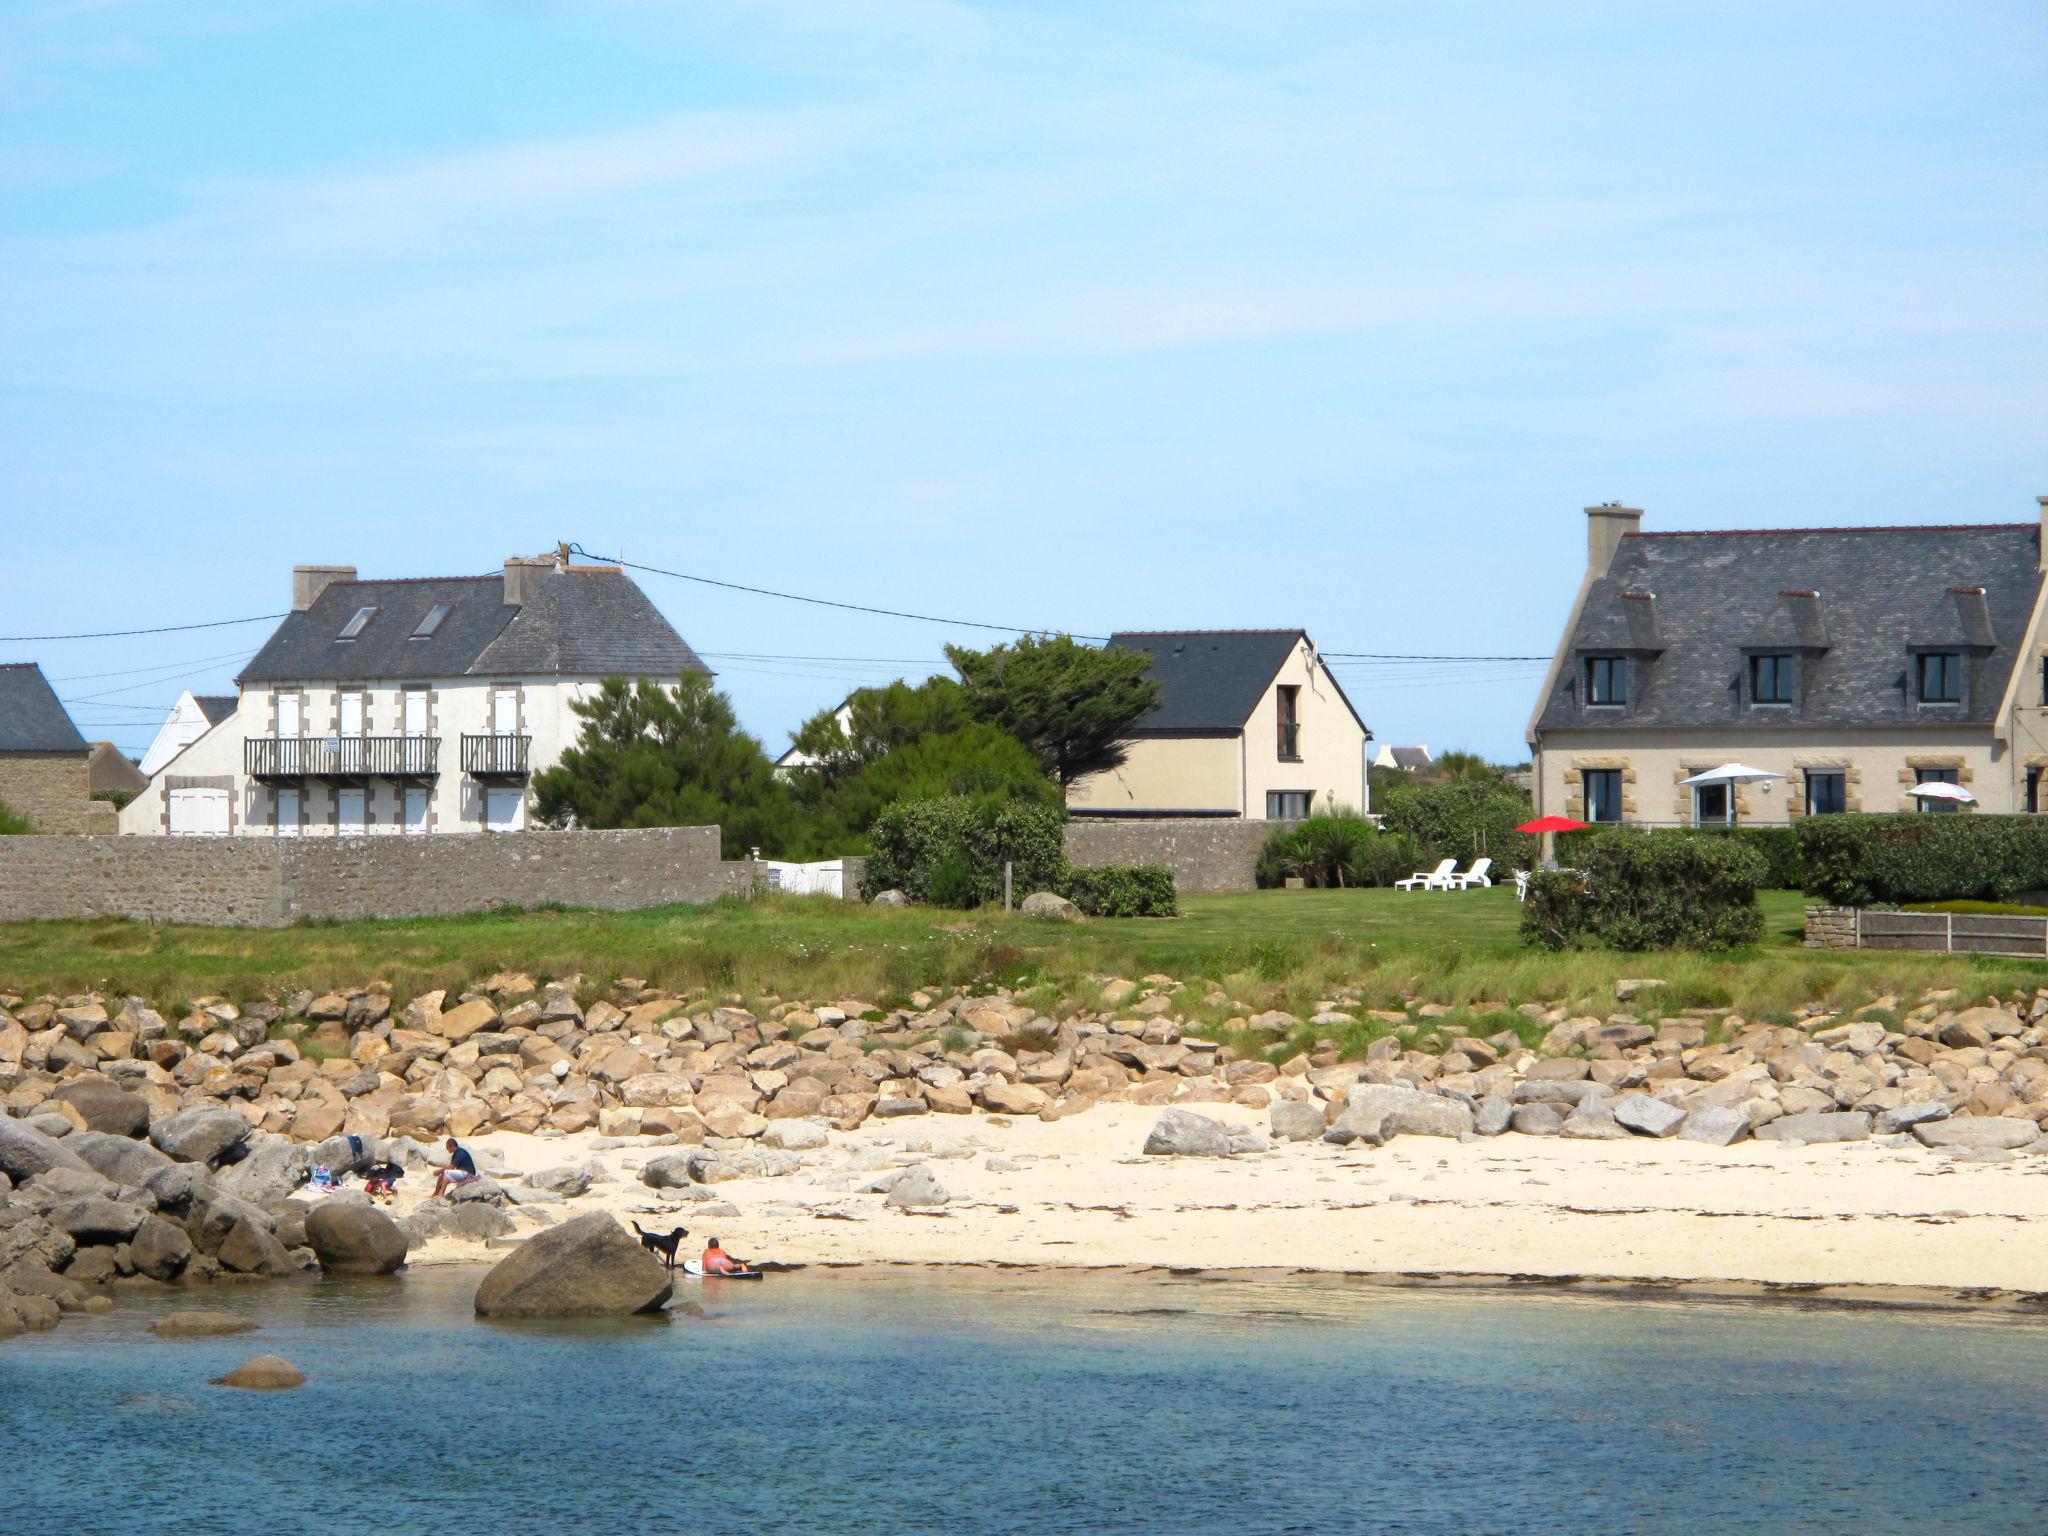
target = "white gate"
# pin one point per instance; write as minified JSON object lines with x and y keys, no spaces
{"x":199,"y":812}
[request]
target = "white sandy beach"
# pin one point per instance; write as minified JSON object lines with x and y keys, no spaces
{"x":1860,"y":1214}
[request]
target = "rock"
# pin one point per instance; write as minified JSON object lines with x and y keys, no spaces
{"x":1432,"y":1116}
{"x":200,"y":1325}
{"x":1495,"y":1114}
{"x":96,"y":1219}
{"x":1243,"y":1140}
{"x":250,"y":1248}
{"x":589,"y":1266}
{"x":1891,"y":1121}
{"x":1183,"y":1133}
{"x":890,"y":899}
{"x":269,"y":1169}
{"x":707,"y":1166}
{"x":464,"y":1020}
{"x":1634,"y":986}
{"x":568,"y":1181}
{"x":1594,"y":1122}
{"x":1827,"y":1125}
{"x":1006,"y":1098}
{"x":917,"y":1186}
{"x":1297,"y":1120}
{"x":200,"y":1135}
{"x":354,"y":1239}
{"x":795,"y":1135}
{"x":1714,"y":1126}
{"x":1538,"y":1119}
{"x":1050,"y":907}
{"x":118,"y":1158}
{"x":1977,"y":1133}
{"x":1373,"y":1112}
{"x":458,"y":1223}
{"x":105,"y":1106}
{"x":1646,"y":1116}
{"x":159,"y":1249}
{"x":26,"y":1152}
{"x":672,"y":1172}
{"x":264,"y":1373}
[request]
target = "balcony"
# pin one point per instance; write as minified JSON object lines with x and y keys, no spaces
{"x":341,"y":757}
{"x":495,"y":757}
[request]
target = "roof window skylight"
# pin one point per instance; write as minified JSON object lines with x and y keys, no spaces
{"x":432,"y":621}
{"x":355,"y":625}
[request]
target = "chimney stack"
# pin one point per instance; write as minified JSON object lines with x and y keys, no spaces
{"x":1604,"y":527}
{"x":523,"y":576}
{"x":309,"y":581}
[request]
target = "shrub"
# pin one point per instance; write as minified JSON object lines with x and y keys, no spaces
{"x":950,"y":851}
{"x":1784,"y":861}
{"x":1463,"y":819}
{"x":12,"y":825}
{"x":1334,"y":849}
{"x":1858,"y":860}
{"x":1123,"y":890}
{"x":1638,"y":892}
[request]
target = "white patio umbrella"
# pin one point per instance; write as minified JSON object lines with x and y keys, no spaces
{"x":1732,"y":773}
{"x":1936,"y":789}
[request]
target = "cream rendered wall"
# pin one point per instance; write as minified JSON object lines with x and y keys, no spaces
{"x":1332,"y":742}
{"x":215,"y":755}
{"x":1167,"y":773}
{"x":1879,"y":766}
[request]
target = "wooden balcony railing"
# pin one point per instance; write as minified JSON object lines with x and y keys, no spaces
{"x":341,"y":757}
{"x":496,"y":757}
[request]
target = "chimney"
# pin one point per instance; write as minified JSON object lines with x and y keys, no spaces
{"x":1604,"y":527}
{"x":309,"y":581}
{"x":523,"y":576}
{"x":2041,"y":556}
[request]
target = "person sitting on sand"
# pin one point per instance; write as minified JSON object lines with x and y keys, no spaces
{"x":718,"y":1262}
{"x":380,"y":1180}
{"x":459,"y":1169}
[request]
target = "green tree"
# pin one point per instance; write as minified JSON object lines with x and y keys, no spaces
{"x":879,"y":721}
{"x":649,"y":756}
{"x":1073,"y":705}
{"x":1469,"y":765}
{"x":976,"y":760}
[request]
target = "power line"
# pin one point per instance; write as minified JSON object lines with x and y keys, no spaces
{"x":1396,"y":656}
{"x":824,"y":602}
{"x":167,"y":666}
{"x":119,"y":634}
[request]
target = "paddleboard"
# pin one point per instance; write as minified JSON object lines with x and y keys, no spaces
{"x":695,"y":1270}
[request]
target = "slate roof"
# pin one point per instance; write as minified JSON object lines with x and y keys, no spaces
{"x":1854,"y":604}
{"x":582,"y":622}
{"x":1210,"y":680}
{"x":215,"y":706}
{"x":1410,"y":759}
{"x":31,"y":718}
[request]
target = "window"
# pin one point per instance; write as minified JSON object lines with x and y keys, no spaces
{"x":432,"y":621}
{"x":1289,"y":701}
{"x":1287,"y":804}
{"x":355,"y":625}
{"x":1711,"y":805}
{"x":1941,"y":678}
{"x":1606,"y":681}
{"x":1936,"y":776}
{"x":2033,"y":791}
{"x":1770,"y":679}
{"x":1603,"y":794}
{"x":1826,"y":793}
{"x":2044,"y":680}
{"x":351,"y":713}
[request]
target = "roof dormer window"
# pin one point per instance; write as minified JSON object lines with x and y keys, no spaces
{"x":1770,"y":678}
{"x":432,"y":621}
{"x":1606,"y":680}
{"x":355,"y":625}
{"x":1941,"y":677}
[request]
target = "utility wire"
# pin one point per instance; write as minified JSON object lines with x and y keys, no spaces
{"x":117,"y":634}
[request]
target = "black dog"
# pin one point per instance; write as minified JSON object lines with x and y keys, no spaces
{"x":663,"y":1247}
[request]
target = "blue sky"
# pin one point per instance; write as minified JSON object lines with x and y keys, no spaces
{"x":1081,"y":316}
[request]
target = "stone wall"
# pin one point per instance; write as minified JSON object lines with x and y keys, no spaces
{"x":1830,"y":927}
{"x":49,"y":790}
{"x":268,"y":882}
{"x":1204,"y":855}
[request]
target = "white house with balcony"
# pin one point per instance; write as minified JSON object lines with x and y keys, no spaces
{"x":410,"y":706}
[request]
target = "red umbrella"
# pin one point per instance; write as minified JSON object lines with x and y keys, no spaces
{"x":1553,"y":824}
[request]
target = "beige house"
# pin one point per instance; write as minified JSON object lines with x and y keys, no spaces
{"x":1856,"y":662}
{"x":1251,"y":723}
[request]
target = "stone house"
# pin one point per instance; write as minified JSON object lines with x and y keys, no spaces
{"x":1251,"y":723}
{"x":410,"y":706}
{"x":108,"y":770}
{"x":1856,"y":662}
{"x":43,"y":760}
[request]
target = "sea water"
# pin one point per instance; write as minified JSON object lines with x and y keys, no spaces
{"x":931,"y":1401}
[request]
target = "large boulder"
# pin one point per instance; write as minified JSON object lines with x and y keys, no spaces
{"x":159,"y":1249}
{"x":1050,"y":907}
{"x":26,"y":1152}
{"x":200,"y":1135}
{"x":708,"y":1166}
{"x":269,"y":1169}
{"x":1714,"y":1126}
{"x":589,"y":1266}
{"x":917,"y":1186}
{"x":1977,"y":1133}
{"x":251,"y":1248}
{"x":1183,"y":1133}
{"x":1826,"y":1125}
{"x":1375,"y":1112}
{"x":264,"y":1373}
{"x":1297,"y":1120}
{"x":96,"y":1219}
{"x":567,"y":1181}
{"x":1646,"y":1116}
{"x":105,"y":1105}
{"x":351,"y":1238}
{"x":1890,"y":1122}
{"x":458,"y":1223}
{"x":119,"y":1158}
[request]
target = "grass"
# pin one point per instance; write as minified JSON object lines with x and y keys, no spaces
{"x":1233,"y":954}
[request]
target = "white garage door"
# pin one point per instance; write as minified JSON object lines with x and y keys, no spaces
{"x":504,"y":810}
{"x":199,"y":813}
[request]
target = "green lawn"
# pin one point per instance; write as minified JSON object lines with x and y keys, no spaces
{"x":1289,"y":949}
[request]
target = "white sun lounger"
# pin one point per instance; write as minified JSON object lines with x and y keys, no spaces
{"x":1476,"y":875}
{"x":1438,"y":879}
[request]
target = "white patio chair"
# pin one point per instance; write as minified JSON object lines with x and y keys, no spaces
{"x":1521,"y":885}
{"x":1476,"y":875}
{"x":1438,"y":879}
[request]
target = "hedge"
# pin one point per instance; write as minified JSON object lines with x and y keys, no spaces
{"x":1865,"y":860}
{"x":1123,"y":890}
{"x":949,"y":851}
{"x":1784,"y":861}
{"x":1637,"y":892}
